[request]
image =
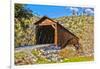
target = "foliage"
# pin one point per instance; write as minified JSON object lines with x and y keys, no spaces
{"x":24,"y":35}
{"x":24,"y":29}
{"x":22,"y":12}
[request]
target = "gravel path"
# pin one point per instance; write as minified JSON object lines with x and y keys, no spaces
{"x":29,"y":48}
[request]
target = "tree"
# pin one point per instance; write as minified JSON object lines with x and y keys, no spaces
{"x":22,"y":12}
{"x":22,"y":18}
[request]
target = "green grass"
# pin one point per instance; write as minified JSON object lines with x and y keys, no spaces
{"x":79,"y":59}
{"x":42,"y":60}
{"x":35,"y":52}
{"x":20,"y":55}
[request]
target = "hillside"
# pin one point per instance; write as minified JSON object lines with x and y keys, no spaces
{"x":24,"y":31}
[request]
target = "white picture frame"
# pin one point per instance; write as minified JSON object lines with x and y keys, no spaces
{"x":75,"y":3}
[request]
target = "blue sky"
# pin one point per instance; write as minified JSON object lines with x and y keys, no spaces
{"x":56,"y":11}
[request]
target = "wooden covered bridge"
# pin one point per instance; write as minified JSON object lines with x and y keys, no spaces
{"x":49,"y":31}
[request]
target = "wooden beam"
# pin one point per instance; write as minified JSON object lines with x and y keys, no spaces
{"x":56,"y":36}
{"x":53,"y":26}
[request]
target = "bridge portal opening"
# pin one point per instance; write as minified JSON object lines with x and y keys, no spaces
{"x":45,"y":34}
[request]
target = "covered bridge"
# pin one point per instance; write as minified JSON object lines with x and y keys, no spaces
{"x":49,"y":31}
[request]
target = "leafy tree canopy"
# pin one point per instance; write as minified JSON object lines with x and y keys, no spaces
{"x":22,"y":12}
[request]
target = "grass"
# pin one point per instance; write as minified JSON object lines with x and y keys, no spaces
{"x":79,"y":59}
{"x":20,"y":55}
{"x":35,"y":52}
{"x":42,"y":60}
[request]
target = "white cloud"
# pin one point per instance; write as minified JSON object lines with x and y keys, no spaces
{"x":74,"y":9}
{"x":89,"y":11}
